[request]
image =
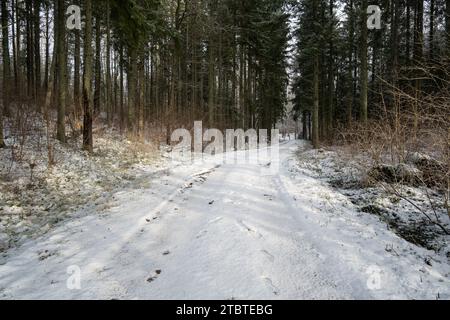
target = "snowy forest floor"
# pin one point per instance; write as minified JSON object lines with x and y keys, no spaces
{"x":141,"y":227}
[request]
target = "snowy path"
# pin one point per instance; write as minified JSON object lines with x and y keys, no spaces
{"x":226,"y":232}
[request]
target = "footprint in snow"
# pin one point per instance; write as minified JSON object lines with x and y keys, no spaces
{"x":148,"y":220}
{"x":154,"y":276}
{"x":271,"y":286}
{"x":244,"y":227}
{"x":45,"y":254}
{"x":268,"y":255}
{"x":201,"y":234}
{"x":215,"y":220}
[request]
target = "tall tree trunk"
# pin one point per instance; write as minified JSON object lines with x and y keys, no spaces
{"x":47,"y":48}
{"x":121,"y":89}
{"x":109,"y":105}
{"x":315,"y":112}
{"x":211,"y":84}
{"x":394,"y":39}
{"x":363,"y":68}
{"x":350,"y":96}
{"x":30,"y":49}
{"x":87,"y":76}
{"x":408,"y":32}
{"x":431,"y":31}
{"x":18,"y":47}
{"x":6,"y":67}
{"x":98,"y":66}
{"x":447,"y":25}
{"x":330,"y":109}
{"x":50,"y":86}
{"x":76,"y":75}
{"x":62,"y":66}
{"x":37,"y":51}
{"x":418,"y":57}
{"x":132,"y":84}
{"x":13,"y":41}
{"x":140,"y":96}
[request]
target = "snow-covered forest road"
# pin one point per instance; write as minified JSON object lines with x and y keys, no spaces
{"x":225,"y":232}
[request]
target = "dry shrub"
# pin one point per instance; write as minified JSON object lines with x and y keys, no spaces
{"x":413,"y":130}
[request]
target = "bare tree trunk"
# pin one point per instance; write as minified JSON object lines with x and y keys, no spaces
{"x":315,"y":115}
{"x":76,"y":76}
{"x":350,"y":97}
{"x":363,"y":68}
{"x":431,"y":34}
{"x":87,"y":76}
{"x":30,"y":49}
{"x":140,"y":96}
{"x":394,"y":38}
{"x":109,"y":107}
{"x":98,"y":71}
{"x":132,"y":84}
{"x":15,"y":56}
{"x":47,"y":49}
{"x":48,"y":99}
{"x":18,"y":47}
{"x":447,"y":24}
{"x":418,"y":57}
{"x":211,"y":85}
{"x":121,"y":89}
{"x":408,"y":32}
{"x":6,"y":67}
{"x":37,"y":52}
{"x":62,"y":66}
{"x":330,"y":109}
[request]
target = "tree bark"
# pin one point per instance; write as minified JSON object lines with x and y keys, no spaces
{"x":62,"y":66}
{"x":315,"y":84}
{"x":30,"y":49}
{"x":315,"y":115}
{"x":109,"y":107}
{"x":76,"y":74}
{"x":121,"y":89}
{"x":418,"y":57}
{"x":431,"y":31}
{"x":18,"y":47}
{"x":6,"y":67}
{"x":350,"y":96}
{"x":363,"y":68}
{"x":87,"y":76}
{"x":37,"y":52}
{"x":447,"y":25}
{"x":14,"y":47}
{"x":132,"y":84}
{"x":47,"y":49}
{"x":211,"y":84}
{"x":330,"y":109}
{"x":98,"y":71}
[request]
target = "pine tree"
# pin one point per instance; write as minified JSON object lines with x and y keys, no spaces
{"x":6,"y":67}
{"x":363,"y":78}
{"x":87,"y":79}
{"x":62,"y":67}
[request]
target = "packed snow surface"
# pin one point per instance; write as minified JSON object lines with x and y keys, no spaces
{"x":225,"y":231}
